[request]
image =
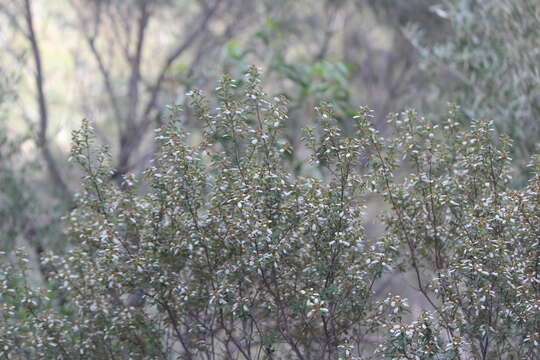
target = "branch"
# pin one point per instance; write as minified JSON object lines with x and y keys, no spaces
{"x":42,"y":143}
{"x":328,"y":33}
{"x":106,"y":77}
{"x":105,"y":74}
{"x":209,"y":13}
{"x":134,"y":136}
{"x":135,"y":62}
{"x":13,"y":19}
{"x":128,"y":137}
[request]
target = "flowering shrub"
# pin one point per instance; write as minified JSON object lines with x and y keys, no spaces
{"x":471,"y":241}
{"x":226,"y":254}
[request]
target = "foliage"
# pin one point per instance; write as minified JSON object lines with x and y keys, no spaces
{"x":21,"y":206}
{"x":119,"y":62}
{"x":470,"y":239}
{"x":305,"y":83}
{"x":229,"y":255}
{"x":491,"y":53}
{"x":15,"y":195}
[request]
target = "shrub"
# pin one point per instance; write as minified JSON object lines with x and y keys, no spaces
{"x":471,"y":242}
{"x":226,"y":254}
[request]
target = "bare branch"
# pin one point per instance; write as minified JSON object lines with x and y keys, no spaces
{"x":128,"y":137}
{"x":171,"y":58}
{"x":135,"y":62}
{"x":42,"y":142}
{"x":13,"y":19}
{"x":133,"y":136}
{"x":106,"y":77}
{"x":105,"y":74}
{"x":329,"y":32}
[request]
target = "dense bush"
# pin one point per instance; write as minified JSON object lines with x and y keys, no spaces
{"x":229,"y":255}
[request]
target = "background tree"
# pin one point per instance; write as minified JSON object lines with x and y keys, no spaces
{"x":488,"y":66}
{"x":121,"y":62}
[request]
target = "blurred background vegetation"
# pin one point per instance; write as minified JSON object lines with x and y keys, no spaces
{"x":120,"y":63}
